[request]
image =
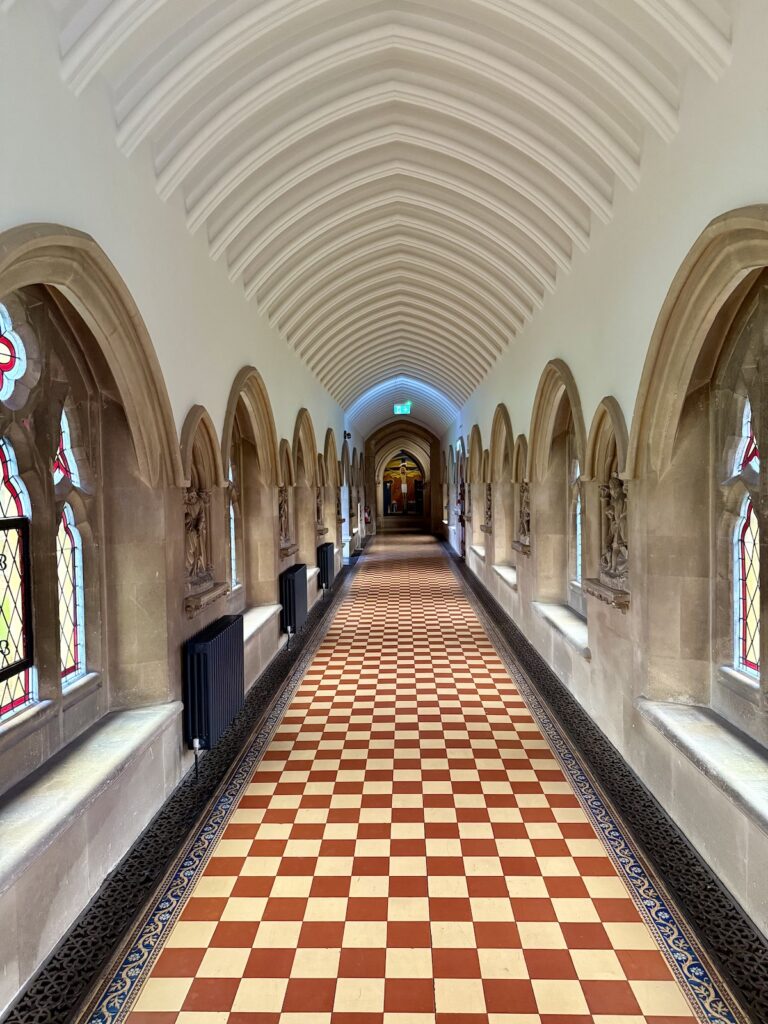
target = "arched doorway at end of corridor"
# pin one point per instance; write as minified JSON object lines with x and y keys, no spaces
{"x":403,"y":487}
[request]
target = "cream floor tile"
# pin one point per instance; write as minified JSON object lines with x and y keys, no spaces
{"x":561,"y":997}
{"x":409,"y":963}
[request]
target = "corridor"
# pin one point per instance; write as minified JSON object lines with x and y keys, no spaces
{"x":408,"y":849}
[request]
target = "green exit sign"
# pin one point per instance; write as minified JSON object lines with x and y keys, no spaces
{"x":403,"y":409}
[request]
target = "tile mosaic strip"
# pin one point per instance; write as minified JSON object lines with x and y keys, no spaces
{"x":522,"y":836}
{"x":731,"y":940}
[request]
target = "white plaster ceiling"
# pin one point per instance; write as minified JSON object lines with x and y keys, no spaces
{"x":374,"y":407}
{"x":397,"y":184}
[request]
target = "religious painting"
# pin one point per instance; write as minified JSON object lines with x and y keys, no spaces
{"x":403,"y":486}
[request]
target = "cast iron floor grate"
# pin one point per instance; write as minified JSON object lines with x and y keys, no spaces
{"x":57,"y":991}
{"x":730,"y":938}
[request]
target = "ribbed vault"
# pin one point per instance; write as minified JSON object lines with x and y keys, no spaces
{"x":397,"y":184}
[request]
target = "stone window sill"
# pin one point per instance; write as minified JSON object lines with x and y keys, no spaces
{"x":742,"y":684}
{"x":568,"y":623}
{"x":727,"y":757}
{"x":313,"y":573}
{"x":257,"y":617}
{"x":24,"y":722}
{"x":44,"y":807}
{"x":508,"y":573}
{"x":477,"y":550}
{"x":81,"y":688}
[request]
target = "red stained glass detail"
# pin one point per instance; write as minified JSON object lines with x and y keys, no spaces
{"x":751,"y":453}
{"x":749,"y":590}
{"x":14,"y":691}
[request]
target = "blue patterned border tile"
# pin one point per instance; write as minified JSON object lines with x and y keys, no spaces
{"x":130,"y":969}
{"x":705,"y":993}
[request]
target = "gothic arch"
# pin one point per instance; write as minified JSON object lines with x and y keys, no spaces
{"x":520,"y":460}
{"x":475,"y":455}
{"x":200,"y":448}
{"x":331,"y":459}
{"x":74,"y":264}
{"x":287,"y":473}
{"x":730,"y":249}
{"x":556,"y":385}
{"x":348,"y":470}
{"x":248,"y":389}
{"x":305,"y":450}
{"x":607,"y":422}
{"x":502,"y":443}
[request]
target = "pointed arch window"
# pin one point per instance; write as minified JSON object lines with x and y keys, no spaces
{"x":578,"y":528}
{"x":64,"y":463}
{"x":746,"y":559}
{"x":69,"y":569}
{"x":69,"y":565}
{"x":16,"y":637}
{"x":13,"y":356}
{"x":234,"y":578}
{"x":747,"y":597}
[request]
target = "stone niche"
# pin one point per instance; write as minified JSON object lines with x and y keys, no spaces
{"x":202,"y":501}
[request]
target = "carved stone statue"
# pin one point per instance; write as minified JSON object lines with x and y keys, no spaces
{"x":319,"y":506}
{"x":338,"y":504}
{"x":488,"y":505}
{"x":196,"y":558}
{"x":524,"y":514}
{"x":614,"y":560}
{"x":283,"y":515}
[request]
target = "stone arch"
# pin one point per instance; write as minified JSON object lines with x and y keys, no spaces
{"x":731,"y":248}
{"x":258,"y":424}
{"x":305,"y":450}
{"x":555,"y":386}
{"x":331,"y":459}
{"x":287,"y":473}
{"x":502,"y":443}
{"x":608,"y":422}
{"x":520,"y":460}
{"x":73,"y":263}
{"x":346,"y":470}
{"x":200,"y":449}
{"x":475,"y":455}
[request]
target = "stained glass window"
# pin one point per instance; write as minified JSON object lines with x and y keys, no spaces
{"x":232,"y":530}
{"x":748,"y":456}
{"x":15,"y":588}
{"x":13,"y":357}
{"x":747,"y":558}
{"x":65,"y":464}
{"x":578,"y":531}
{"x":69,"y":568}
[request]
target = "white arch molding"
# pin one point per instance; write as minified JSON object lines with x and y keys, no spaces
{"x":455,"y":155}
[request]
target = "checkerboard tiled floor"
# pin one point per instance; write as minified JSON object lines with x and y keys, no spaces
{"x":409,"y":851}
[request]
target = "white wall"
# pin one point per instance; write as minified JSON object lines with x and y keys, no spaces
{"x":59,"y":162}
{"x":601,"y":317}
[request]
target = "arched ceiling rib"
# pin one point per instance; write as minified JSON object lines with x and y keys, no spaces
{"x":429,"y":406}
{"x":396,"y":183}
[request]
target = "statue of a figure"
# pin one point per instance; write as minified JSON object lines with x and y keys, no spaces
{"x":319,"y":506}
{"x":524,"y":514}
{"x":283,"y":514}
{"x":338,"y":504}
{"x":196,"y":532}
{"x":615,"y":557}
{"x":488,"y":505}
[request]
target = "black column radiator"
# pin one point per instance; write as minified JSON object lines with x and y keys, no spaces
{"x":293,"y":598}
{"x":325,"y":561}
{"x":214,"y":681}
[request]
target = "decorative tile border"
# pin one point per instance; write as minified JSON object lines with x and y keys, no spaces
{"x":79,"y":963}
{"x":113,"y":1003}
{"x":741,"y":953}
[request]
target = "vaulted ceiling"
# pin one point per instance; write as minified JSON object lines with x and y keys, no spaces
{"x":398,"y":185}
